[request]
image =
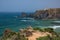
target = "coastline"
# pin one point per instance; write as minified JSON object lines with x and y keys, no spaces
{"x":28,"y":33}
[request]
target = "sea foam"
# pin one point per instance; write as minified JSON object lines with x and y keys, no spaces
{"x":54,"y":27}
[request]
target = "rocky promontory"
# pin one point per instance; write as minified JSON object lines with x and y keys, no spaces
{"x":50,"y":13}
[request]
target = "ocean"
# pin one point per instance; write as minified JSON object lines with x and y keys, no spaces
{"x":13,"y":22}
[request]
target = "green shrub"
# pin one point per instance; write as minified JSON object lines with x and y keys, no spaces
{"x":37,"y":28}
{"x":44,"y":38}
{"x":48,"y":38}
{"x":49,"y":30}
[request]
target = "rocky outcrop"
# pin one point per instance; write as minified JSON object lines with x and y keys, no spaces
{"x":51,"y":13}
{"x":40,"y":14}
{"x":28,"y":34}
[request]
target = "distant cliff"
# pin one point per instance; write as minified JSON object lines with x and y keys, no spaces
{"x":51,"y":13}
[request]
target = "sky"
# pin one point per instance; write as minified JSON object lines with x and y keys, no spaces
{"x":27,"y":5}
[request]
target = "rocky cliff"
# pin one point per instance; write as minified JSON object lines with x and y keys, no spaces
{"x":51,"y":13}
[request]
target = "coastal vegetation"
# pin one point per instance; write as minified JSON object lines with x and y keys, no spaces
{"x":48,"y":38}
{"x":31,"y":34}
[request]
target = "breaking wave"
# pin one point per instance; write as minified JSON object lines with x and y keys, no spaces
{"x":54,"y":27}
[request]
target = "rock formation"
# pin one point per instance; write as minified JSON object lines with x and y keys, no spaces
{"x":51,"y":13}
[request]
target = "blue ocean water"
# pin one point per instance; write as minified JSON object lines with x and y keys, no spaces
{"x":13,"y":22}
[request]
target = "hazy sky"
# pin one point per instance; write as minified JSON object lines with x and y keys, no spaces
{"x":27,"y":5}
